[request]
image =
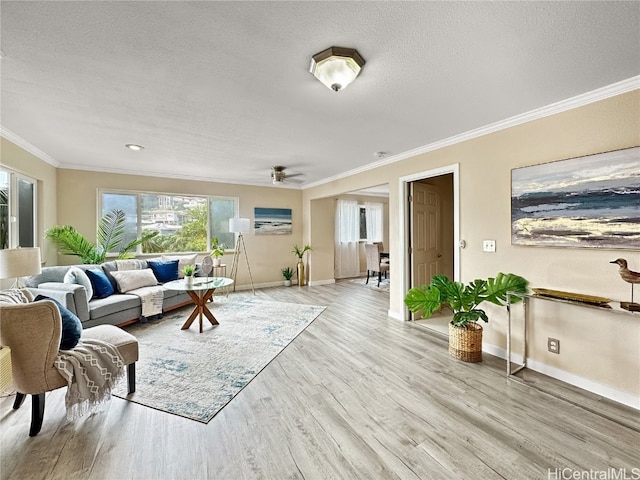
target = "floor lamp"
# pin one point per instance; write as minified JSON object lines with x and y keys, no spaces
{"x":240,"y":226}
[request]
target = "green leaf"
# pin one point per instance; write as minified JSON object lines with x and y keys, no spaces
{"x":461,"y":319}
{"x":125,"y":252}
{"x":111,"y":230}
{"x":498,"y":287}
{"x":70,"y":242}
{"x":425,"y":299}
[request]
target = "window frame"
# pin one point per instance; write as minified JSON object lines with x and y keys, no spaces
{"x":14,"y":209}
{"x":139,"y":193}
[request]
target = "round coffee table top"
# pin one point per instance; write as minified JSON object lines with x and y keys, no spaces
{"x":199,"y":283}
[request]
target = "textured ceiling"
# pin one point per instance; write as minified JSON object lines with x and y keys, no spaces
{"x":221,"y":90}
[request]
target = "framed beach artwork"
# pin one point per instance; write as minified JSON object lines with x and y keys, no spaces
{"x":272,"y":221}
{"x":591,"y":201}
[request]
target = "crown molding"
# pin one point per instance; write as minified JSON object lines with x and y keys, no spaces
{"x":603,"y":93}
{"x":22,"y":143}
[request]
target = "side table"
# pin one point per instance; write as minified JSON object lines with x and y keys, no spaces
{"x":613,"y":307}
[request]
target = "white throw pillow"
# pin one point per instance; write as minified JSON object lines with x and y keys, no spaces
{"x":128,"y":280}
{"x":182,"y":261}
{"x":79,"y":277}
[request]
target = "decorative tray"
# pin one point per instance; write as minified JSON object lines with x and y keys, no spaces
{"x":575,"y":297}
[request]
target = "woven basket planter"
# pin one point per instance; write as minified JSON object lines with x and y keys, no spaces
{"x":465,"y":343}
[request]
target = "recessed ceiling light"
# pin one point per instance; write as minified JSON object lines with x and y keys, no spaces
{"x":134,"y":147}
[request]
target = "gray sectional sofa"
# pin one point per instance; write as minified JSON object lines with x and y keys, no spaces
{"x":115,"y":309}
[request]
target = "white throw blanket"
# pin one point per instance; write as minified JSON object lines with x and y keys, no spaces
{"x":151,"y":299}
{"x":91,"y":370}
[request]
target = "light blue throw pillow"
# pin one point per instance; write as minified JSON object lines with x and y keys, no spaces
{"x":77,"y":276}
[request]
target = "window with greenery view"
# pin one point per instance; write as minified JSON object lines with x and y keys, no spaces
{"x":185,"y":223}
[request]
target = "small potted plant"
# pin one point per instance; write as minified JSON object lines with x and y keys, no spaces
{"x":300,"y":253}
{"x":217,"y":251}
{"x":188,"y":271}
{"x":287,"y":273}
{"x":465,"y":334}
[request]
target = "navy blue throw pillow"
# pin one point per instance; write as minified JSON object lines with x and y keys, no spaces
{"x":164,"y":271}
{"x":102,"y":287}
{"x":71,"y":325}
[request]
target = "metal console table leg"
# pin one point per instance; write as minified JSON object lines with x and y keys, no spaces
{"x":510,"y":370}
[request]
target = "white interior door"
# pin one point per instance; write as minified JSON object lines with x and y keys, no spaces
{"x":425,"y":232}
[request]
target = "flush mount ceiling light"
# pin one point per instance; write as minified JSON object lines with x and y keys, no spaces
{"x":336,"y":67}
{"x":134,"y":147}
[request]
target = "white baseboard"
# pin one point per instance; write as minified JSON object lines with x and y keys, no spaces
{"x":606,"y":391}
{"x":395,"y":315}
{"x":256,"y":286}
{"x":322,"y":282}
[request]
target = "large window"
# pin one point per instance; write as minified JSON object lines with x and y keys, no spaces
{"x":17,"y":210}
{"x":185,"y":223}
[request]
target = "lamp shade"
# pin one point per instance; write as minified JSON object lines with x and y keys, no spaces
{"x":239,"y":225}
{"x":336,"y":67}
{"x":19,"y":262}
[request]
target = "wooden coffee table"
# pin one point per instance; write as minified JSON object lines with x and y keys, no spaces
{"x":200,"y":291}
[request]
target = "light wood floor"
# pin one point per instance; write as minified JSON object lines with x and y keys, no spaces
{"x":355,"y":396}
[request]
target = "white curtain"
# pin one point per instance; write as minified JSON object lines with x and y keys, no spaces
{"x":373,"y":213}
{"x":347,"y":263}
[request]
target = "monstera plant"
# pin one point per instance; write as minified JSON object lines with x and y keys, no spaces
{"x":110,"y":237}
{"x":465,"y":334}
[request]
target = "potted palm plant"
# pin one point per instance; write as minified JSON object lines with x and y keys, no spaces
{"x":110,"y":236}
{"x":217,"y":251}
{"x":465,"y":334}
{"x":287,"y":273}
{"x":300,"y":253}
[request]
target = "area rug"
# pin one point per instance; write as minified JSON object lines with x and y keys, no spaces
{"x":373,"y":283}
{"x":195,"y":375}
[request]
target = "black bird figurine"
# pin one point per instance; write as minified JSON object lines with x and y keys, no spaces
{"x":627,"y":275}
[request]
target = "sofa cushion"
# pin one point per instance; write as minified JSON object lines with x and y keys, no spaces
{"x":182,"y":261}
{"x":102,"y":287}
{"x":164,"y":271}
{"x":104,"y":307}
{"x":112,"y":266}
{"x":71,"y":325}
{"x":131,"y":279}
{"x":77,"y":276}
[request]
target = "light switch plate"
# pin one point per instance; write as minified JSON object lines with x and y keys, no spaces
{"x":489,"y":245}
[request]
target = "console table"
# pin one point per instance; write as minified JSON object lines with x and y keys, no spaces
{"x":613,"y":307}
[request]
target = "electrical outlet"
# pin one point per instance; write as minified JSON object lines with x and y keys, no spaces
{"x":489,"y":245}
{"x":553,"y":345}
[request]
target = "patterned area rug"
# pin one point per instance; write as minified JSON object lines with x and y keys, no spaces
{"x":196,"y":374}
{"x":373,"y":283}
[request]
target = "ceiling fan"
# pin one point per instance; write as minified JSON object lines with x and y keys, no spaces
{"x":278,"y":175}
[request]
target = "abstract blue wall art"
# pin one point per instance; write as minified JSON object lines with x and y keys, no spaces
{"x":591,"y":201}
{"x":272,"y":221}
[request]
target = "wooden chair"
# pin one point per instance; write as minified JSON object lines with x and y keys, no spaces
{"x":32,"y":331}
{"x":374,"y":261}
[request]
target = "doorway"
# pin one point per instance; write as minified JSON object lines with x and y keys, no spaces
{"x":431,"y":233}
